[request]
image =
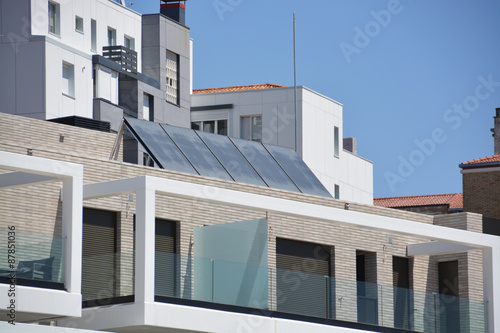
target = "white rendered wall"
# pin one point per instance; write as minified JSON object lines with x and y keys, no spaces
{"x":32,"y":58}
{"x":317,"y":116}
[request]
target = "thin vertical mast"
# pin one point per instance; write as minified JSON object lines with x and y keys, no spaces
{"x":295,"y":85}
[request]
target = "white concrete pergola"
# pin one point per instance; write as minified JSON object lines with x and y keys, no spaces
{"x":30,"y":170}
{"x":147,"y":314}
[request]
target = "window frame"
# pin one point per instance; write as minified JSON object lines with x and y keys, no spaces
{"x":54,"y":9}
{"x":68,"y":77}
{"x":170,"y":87}
{"x":336,"y":141}
{"x":216,"y":125}
{"x":112,"y":38}
{"x":79,"y":22}
{"x":93,"y":35}
{"x":250,"y":130}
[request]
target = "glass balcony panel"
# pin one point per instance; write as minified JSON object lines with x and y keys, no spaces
{"x":32,"y":257}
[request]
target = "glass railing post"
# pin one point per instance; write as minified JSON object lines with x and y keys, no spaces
{"x":435,"y":312}
{"x":327,"y":289}
{"x":212,"y":277}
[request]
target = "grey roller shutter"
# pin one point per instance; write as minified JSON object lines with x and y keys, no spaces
{"x":165,"y":258}
{"x":98,"y":254}
{"x":303,"y":282}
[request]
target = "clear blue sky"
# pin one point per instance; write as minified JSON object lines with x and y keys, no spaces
{"x":406,"y":72}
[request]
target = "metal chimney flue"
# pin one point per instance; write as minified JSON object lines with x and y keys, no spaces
{"x":496,"y":132}
{"x":174,"y":9}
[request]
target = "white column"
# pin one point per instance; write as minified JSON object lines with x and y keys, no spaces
{"x":491,"y":276}
{"x":145,"y":244}
{"x":72,"y":203}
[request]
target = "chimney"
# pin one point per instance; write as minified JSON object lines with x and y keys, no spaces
{"x":350,"y":144}
{"x":174,"y":9}
{"x":496,"y":132}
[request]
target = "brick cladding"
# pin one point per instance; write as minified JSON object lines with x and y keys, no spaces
{"x":92,"y":150}
{"x":482,"y":193}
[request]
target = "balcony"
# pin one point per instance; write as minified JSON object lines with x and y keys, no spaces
{"x":270,"y":292}
{"x":40,"y":271}
{"x":122,"y":55}
{"x":160,"y":290}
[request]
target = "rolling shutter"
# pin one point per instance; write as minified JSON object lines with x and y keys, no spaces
{"x":304,"y":294}
{"x":165,"y":258}
{"x":98,"y":254}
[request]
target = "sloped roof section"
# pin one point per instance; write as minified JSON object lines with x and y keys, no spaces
{"x":238,"y":88}
{"x":454,"y":200}
{"x":493,"y":160}
{"x":218,"y":156}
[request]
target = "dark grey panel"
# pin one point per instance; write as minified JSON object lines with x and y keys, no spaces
{"x":231,"y":158}
{"x":158,"y":144}
{"x":300,"y":173}
{"x":265,"y":165}
{"x":196,"y":152}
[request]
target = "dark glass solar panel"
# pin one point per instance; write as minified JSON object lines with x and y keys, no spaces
{"x":152,"y":136}
{"x":300,"y":173}
{"x":265,"y":165}
{"x":231,"y":158}
{"x":196,"y":152}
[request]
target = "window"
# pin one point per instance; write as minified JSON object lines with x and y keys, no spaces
{"x":148,"y":107}
{"x":111,"y":37}
{"x":172,"y":92}
{"x":93,"y":35}
{"x":129,"y":42}
{"x":79,"y":24}
{"x":54,"y":18}
{"x":68,"y":75}
{"x":251,"y":128}
{"x":107,"y":84}
{"x":337,"y":191}
{"x":211,"y":126}
{"x":336,"y":141}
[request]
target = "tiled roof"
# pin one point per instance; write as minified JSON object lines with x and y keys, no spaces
{"x":489,"y":159}
{"x":238,"y":88}
{"x":454,"y":200}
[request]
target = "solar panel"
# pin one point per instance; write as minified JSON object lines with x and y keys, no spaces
{"x":159,"y":145}
{"x":196,"y":152}
{"x":298,"y":170}
{"x":211,"y":155}
{"x":265,"y":165}
{"x":232,"y":160}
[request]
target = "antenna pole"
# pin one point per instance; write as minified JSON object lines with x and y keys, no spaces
{"x":295,"y":85}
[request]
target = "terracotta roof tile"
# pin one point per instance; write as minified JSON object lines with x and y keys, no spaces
{"x":238,"y":88}
{"x":454,"y":200}
{"x":489,"y":159}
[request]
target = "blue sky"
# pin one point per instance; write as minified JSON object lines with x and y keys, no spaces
{"x":419,"y":80}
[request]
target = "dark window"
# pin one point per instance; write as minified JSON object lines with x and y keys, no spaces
{"x":448,"y":305}
{"x":165,"y":258}
{"x":98,"y":254}
{"x":367,"y":288}
{"x":303,"y":278}
{"x":402,"y":295}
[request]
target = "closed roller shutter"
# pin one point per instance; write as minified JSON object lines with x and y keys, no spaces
{"x":165,"y":258}
{"x":301,"y":282}
{"x":99,"y":248}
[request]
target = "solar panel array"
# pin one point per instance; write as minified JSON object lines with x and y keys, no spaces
{"x":217,"y":156}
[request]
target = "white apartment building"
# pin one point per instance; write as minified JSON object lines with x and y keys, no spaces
{"x":266,"y":113}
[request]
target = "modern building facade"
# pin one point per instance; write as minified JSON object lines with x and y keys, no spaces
{"x":161,"y":250}
{"x":314,"y":129}
{"x":95,"y":59}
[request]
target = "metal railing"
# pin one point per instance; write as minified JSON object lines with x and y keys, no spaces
{"x":269,"y":289}
{"x":122,"y":55}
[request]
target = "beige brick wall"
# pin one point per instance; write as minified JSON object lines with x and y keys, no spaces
{"x":482,"y":193}
{"x":91,"y":149}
